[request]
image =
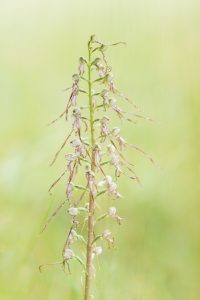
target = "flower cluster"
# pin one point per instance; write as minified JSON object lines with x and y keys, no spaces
{"x":99,"y":153}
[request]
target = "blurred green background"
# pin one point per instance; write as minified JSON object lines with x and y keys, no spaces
{"x":157,"y":253}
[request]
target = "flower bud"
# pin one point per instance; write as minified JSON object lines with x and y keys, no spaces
{"x":92,"y":38}
{"x":75,"y":77}
{"x":82,"y":60}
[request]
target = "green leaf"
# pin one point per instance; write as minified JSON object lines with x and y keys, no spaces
{"x":84,"y":78}
{"x":96,"y":238}
{"x":102,"y":217}
{"x":80,"y":187}
{"x":101,"y":193}
{"x":80,"y":261}
{"x":81,"y":238}
{"x":83,"y":209}
{"x":99,"y":79}
{"x":82,"y":91}
{"x":105,"y":163}
{"x":96,"y":120}
{"x":95,"y":49}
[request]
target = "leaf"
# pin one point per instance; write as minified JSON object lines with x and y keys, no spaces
{"x":105,"y":163}
{"x":83,"y":209}
{"x":80,"y":187}
{"x":81,"y":238}
{"x":80,"y":261}
{"x":96,"y":238}
{"x":83,"y":78}
{"x":82,"y":91}
{"x":84,"y":159}
{"x":102,"y":217}
{"x":96,"y":120}
{"x":99,"y":79}
{"x":101,"y":193}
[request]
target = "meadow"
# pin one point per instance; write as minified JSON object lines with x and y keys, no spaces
{"x":157,"y":249}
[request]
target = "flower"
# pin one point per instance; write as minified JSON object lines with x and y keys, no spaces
{"x":110,"y":185}
{"x":75,"y":142}
{"x":96,"y":251}
{"x":73,"y":211}
{"x":101,"y":69}
{"x":74,"y":94}
{"x":115,"y":131}
{"x":121,"y":141}
{"x":90,"y":175}
{"x":87,"y":205}
{"x":111,"y":148}
{"x":92,"y":38}
{"x":76,"y":114}
{"x":76,"y":78}
{"x":68,"y":254}
{"x":101,"y":149}
{"x":73,"y":233}
{"x":97,"y":61}
{"x":72,"y":237}
{"x":69,"y":189}
{"x":110,"y":83}
{"x":115,"y":161}
{"x":104,"y":93}
{"x":112,"y":211}
{"x":81,"y":66}
{"x":112,"y":101}
{"x":71,"y":156}
{"x":97,"y":154}
{"x":79,"y":147}
{"x":106,"y":236}
{"x":104,"y":128}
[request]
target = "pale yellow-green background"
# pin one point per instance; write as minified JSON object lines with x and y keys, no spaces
{"x":157,"y":253}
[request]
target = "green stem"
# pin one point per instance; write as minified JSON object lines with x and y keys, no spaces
{"x":90,"y":226}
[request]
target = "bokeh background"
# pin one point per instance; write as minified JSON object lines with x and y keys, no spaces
{"x":157,"y":253}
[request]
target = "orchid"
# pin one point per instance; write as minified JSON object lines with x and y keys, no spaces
{"x":99,"y":155}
